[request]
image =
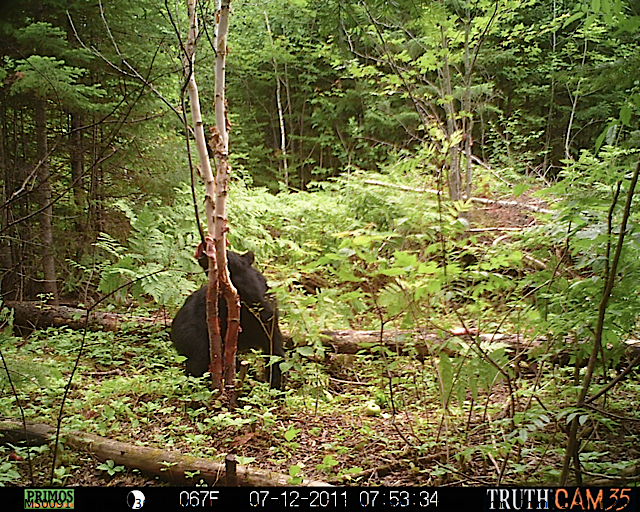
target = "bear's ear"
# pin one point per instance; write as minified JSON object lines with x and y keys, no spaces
{"x":249,"y":257}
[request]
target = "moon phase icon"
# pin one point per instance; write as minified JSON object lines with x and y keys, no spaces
{"x":135,"y":500}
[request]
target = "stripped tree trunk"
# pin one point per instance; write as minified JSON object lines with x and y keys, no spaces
{"x":221,"y":151}
{"x":467,"y":120}
{"x":215,"y":202}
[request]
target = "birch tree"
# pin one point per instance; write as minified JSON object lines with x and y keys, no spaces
{"x":216,"y":190}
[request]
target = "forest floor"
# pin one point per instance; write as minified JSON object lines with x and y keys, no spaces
{"x":386,"y":450}
{"x":322,"y":424}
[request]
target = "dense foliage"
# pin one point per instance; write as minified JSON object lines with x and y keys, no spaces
{"x":316,"y":90}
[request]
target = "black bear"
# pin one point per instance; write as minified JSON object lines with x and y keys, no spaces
{"x":258,"y":320}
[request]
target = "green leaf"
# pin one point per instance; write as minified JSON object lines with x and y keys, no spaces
{"x":520,"y":188}
{"x":291,"y":434}
{"x":625,"y":114}
{"x":294,"y":470}
{"x":628,"y":25}
{"x":393,"y":272}
{"x":404,"y":259}
{"x":446,"y":374}
{"x":589,"y":21}
{"x":305,"y":351}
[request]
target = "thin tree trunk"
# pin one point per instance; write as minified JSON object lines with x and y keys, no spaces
{"x":212,"y":312}
{"x":46,"y":217}
{"x":95,"y":189}
{"x":6,"y":261}
{"x":467,"y":120}
{"x":547,"y":142}
{"x":7,"y":272}
{"x":223,"y":170}
{"x":283,"y":138}
{"x":216,"y":191}
{"x":76,"y":160}
{"x":574,"y":106}
{"x":552,"y":98}
{"x":301,"y":138}
{"x":454,"y":177}
{"x":13,"y":278}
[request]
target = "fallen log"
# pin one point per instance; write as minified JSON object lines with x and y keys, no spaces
{"x":349,"y":341}
{"x":168,"y":466}
{"x":481,"y":200}
{"x":28,"y":316}
{"x":35,"y":315}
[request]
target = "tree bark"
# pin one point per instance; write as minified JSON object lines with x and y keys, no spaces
{"x":454,"y":176}
{"x":467,"y":120}
{"x":547,"y":161}
{"x":7,"y":272}
{"x":216,"y":191}
{"x":212,"y":313}
{"x":223,"y":170}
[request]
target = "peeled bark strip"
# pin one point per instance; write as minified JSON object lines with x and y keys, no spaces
{"x":168,"y":466}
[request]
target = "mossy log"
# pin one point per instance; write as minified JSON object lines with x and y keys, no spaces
{"x":169,"y":466}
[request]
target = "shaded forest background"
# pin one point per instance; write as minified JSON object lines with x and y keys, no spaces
{"x":90,"y":106}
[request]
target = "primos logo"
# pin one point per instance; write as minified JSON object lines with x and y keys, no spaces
{"x":48,"y":498}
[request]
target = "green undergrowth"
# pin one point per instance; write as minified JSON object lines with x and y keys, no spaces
{"x":130,"y":387}
{"x":461,"y":407}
